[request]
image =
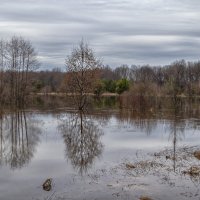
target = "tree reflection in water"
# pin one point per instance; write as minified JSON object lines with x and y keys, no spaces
{"x":19,"y":135}
{"x":177,"y":115}
{"x":177,"y":127}
{"x":82,"y":138}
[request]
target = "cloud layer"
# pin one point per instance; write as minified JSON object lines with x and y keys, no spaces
{"x":120,"y":31}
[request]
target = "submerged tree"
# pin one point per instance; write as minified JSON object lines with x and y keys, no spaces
{"x":82,"y":73}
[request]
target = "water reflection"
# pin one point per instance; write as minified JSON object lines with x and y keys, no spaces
{"x":176,"y":127}
{"x":19,"y":135}
{"x":179,"y":123}
{"x":145,"y":115}
{"x":156,"y":127}
{"x":143,"y":121}
{"x":82,"y":139}
{"x":177,"y":116}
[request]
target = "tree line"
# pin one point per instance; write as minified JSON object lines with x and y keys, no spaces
{"x":178,"y":78}
{"x":86,"y":74}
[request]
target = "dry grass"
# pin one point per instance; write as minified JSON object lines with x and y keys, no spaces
{"x":193,"y":171}
{"x":197,"y":154}
{"x":166,"y":164}
{"x":130,"y":166}
{"x":145,"y":198}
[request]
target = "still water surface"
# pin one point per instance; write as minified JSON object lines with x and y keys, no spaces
{"x":86,"y":154}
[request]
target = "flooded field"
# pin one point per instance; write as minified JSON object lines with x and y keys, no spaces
{"x":149,"y":150}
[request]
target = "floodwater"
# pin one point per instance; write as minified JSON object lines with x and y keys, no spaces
{"x":106,"y":153}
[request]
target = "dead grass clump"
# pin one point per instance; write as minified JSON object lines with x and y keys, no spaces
{"x":197,"y":154}
{"x":145,"y":198}
{"x":149,"y":164}
{"x":130,"y":166}
{"x":193,"y":171}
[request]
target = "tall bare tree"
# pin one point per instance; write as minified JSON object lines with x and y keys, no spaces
{"x":82,"y":73}
{"x":2,"y":70}
{"x":18,"y":58}
{"x":122,"y":72}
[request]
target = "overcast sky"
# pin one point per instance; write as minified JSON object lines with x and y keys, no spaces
{"x":120,"y":31}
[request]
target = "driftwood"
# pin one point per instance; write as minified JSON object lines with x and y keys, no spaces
{"x":145,"y":198}
{"x":47,"y":184}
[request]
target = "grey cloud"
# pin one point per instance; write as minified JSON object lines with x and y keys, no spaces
{"x":120,"y":31}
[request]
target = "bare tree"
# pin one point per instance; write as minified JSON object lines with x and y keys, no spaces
{"x":2,"y":69}
{"x":82,"y":73}
{"x":122,"y":72}
{"x":18,"y":58}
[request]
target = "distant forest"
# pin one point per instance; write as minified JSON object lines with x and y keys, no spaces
{"x":178,"y":78}
{"x":20,"y":76}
